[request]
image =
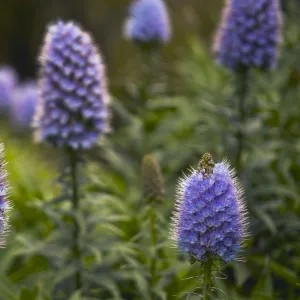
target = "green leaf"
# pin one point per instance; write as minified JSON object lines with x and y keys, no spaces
{"x":27,"y":294}
{"x":76,"y":296}
{"x":268,"y":221}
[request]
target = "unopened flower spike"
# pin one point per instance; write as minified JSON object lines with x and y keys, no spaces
{"x":73,"y":108}
{"x":206,"y":165}
{"x":249,"y":34}
{"x":209,"y":220}
{"x":152,"y":179}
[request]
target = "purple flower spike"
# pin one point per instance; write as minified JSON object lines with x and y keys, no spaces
{"x":8,"y":81}
{"x":249,"y":34}
{"x":73,"y":111}
{"x":209,"y":219}
{"x":4,"y":203}
{"x":24,"y":104}
{"x":148,"y":22}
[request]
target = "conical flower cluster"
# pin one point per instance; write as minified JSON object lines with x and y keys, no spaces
{"x":4,"y":203}
{"x":24,"y":102}
{"x":148,"y":22}
{"x":209,"y":219}
{"x":73,"y":111}
{"x":249,"y":34}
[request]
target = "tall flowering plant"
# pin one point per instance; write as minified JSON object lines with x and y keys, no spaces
{"x":247,"y":43}
{"x":248,"y":37}
{"x":148,"y":27}
{"x":72,"y":112}
{"x":209,"y":221}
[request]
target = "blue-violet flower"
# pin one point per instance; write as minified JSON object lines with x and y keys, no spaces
{"x":24,"y":102}
{"x":148,"y":22}
{"x":249,"y":34}
{"x":73,"y":109}
{"x":8,"y":81}
{"x":209,"y":219}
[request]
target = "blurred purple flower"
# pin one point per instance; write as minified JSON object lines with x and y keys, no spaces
{"x":249,"y":34}
{"x":8,"y":81}
{"x":73,"y":111}
{"x":148,"y":22}
{"x":4,"y":203}
{"x":24,"y":102}
{"x":209,"y":219}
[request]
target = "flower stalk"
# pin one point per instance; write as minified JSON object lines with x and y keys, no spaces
{"x":149,"y":27}
{"x":75,"y":206}
{"x":207,"y":280}
{"x":153,"y":191}
{"x":154,"y":251}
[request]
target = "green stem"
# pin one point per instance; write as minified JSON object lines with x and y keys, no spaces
{"x":242,"y":93}
{"x":148,"y":66}
{"x":207,"y":284}
{"x":149,"y":58}
{"x":75,"y":206}
{"x":154,"y":253}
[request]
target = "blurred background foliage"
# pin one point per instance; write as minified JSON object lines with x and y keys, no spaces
{"x":190,"y":109}
{"x":23,"y":23}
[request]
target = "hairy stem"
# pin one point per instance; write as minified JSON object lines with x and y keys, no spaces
{"x":241,"y":93}
{"x":207,"y":283}
{"x":75,"y":206}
